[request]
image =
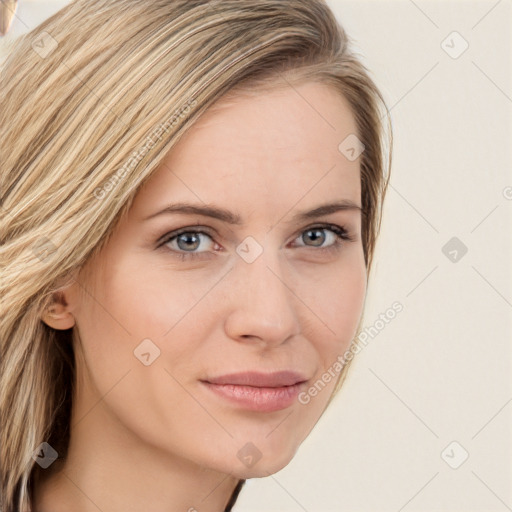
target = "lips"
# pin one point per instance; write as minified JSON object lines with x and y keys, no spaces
{"x":255,"y":391}
{"x":260,"y":380}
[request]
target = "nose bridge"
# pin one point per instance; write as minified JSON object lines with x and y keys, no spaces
{"x":265,"y":275}
{"x":263,"y":305}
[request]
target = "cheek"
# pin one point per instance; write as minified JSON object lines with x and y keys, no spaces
{"x":156,"y":302}
{"x":136,"y":313}
{"x":339,"y":302}
{"x":114,"y":317}
{"x":351,"y":293}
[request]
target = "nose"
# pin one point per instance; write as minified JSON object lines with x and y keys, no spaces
{"x":263,"y":304}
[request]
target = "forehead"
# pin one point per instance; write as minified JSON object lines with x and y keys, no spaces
{"x":274,"y":147}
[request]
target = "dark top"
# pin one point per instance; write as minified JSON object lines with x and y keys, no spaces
{"x":234,"y":496}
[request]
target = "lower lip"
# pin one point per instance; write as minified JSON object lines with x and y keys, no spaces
{"x":257,"y":399}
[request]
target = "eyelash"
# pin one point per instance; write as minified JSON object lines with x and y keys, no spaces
{"x":342,"y":235}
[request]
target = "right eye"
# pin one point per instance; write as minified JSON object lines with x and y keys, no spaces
{"x":187,"y":243}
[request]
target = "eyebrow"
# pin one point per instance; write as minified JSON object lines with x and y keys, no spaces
{"x":235,"y":219}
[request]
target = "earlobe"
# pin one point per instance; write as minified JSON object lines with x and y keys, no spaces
{"x":57,"y":314}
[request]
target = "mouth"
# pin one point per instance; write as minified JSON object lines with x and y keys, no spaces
{"x":255,"y":391}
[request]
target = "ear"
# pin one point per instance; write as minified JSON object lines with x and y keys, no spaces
{"x":58,"y":315}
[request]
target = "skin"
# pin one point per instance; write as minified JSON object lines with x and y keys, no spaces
{"x":153,"y":437}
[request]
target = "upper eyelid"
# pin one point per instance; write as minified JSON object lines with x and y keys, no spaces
{"x":189,"y":229}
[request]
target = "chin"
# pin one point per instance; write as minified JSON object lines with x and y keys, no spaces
{"x":265,"y":466}
{"x":262,"y":471}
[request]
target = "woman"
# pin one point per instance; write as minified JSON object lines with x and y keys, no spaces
{"x":191,"y":198}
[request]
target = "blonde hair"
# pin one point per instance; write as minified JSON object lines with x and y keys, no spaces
{"x":91,"y":102}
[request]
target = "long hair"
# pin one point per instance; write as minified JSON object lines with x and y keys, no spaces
{"x":91,"y":102}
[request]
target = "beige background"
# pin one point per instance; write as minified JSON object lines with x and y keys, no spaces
{"x":440,"y":371}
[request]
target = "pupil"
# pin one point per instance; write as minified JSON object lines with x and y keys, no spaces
{"x":316,"y":235}
{"x":188,"y":239}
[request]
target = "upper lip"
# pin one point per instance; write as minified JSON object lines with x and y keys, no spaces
{"x":259,"y":379}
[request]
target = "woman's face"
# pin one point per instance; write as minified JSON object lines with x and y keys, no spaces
{"x":238,"y":276}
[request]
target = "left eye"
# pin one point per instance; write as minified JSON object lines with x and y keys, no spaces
{"x":188,"y":241}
